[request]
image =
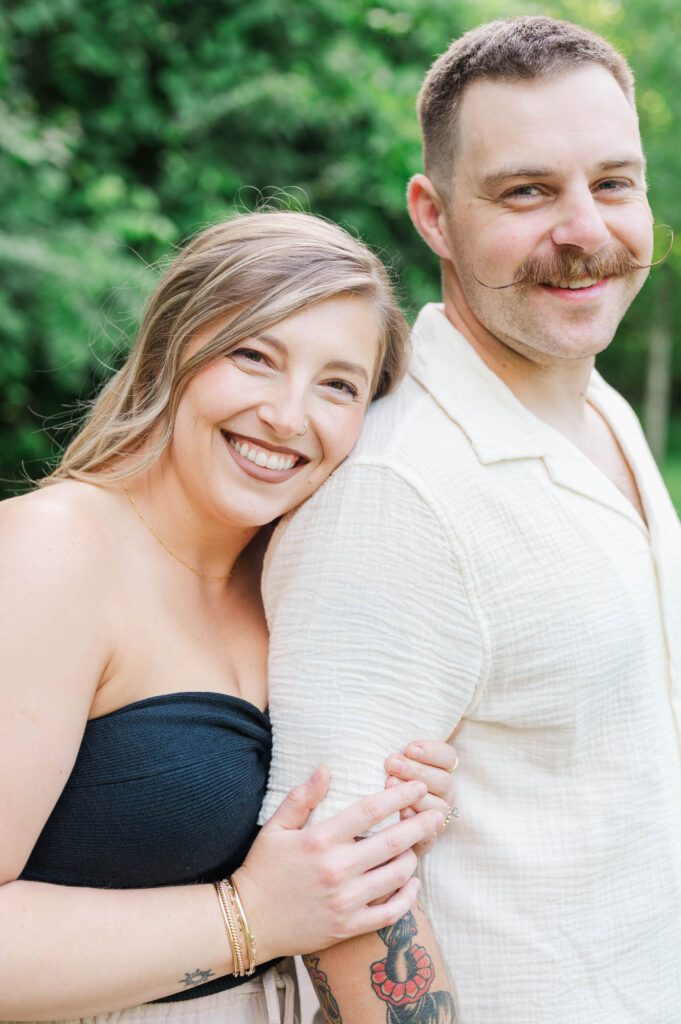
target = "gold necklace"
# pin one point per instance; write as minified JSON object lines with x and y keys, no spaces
{"x":152,"y":531}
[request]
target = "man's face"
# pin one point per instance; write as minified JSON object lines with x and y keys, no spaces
{"x":549,"y":185}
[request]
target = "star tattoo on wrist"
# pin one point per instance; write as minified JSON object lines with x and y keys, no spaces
{"x":197,"y":977}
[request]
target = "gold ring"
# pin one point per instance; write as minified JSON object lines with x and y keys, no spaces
{"x":450,"y":771}
{"x":453,"y":812}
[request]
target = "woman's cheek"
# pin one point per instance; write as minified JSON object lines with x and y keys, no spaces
{"x":348,"y":435}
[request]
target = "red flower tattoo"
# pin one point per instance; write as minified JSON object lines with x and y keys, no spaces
{"x":404,"y":977}
{"x":410,"y":991}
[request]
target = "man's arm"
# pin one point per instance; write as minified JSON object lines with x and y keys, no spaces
{"x":405,"y":981}
{"x":375,"y":640}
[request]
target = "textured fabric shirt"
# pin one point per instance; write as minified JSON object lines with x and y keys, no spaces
{"x":468,"y":561}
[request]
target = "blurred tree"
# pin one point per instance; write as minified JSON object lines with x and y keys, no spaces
{"x":125,"y":125}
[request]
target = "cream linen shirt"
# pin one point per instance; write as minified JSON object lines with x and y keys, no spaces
{"x":468,"y":561}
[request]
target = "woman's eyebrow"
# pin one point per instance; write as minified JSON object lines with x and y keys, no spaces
{"x":340,"y":365}
{"x":274,"y":342}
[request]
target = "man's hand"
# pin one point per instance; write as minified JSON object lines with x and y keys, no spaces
{"x":433,"y":762}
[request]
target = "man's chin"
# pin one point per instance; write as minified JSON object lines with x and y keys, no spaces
{"x":575,"y":336}
{"x":559,"y":345}
{"x":575,"y":349}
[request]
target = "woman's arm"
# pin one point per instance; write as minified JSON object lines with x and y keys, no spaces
{"x":76,"y":952}
{"x":72,"y":952}
{"x":63,"y":951}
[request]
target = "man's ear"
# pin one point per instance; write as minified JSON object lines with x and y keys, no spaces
{"x":426,"y":211}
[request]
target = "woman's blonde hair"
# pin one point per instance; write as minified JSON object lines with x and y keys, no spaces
{"x":263,"y":267}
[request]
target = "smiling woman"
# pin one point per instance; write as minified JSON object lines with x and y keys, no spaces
{"x":235,"y":281}
{"x":288,"y":402}
{"x":134,"y":676}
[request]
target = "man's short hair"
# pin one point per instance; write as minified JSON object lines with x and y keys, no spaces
{"x":510,"y":49}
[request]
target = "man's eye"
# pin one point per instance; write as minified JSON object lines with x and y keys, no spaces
{"x":343,"y":386}
{"x":612,"y":185}
{"x":524,"y":192}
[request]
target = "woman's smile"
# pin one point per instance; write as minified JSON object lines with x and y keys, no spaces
{"x":269,"y":463}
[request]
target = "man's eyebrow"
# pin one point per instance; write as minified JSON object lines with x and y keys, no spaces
{"x":496,"y":178}
{"x":338,"y":365}
{"x":637,"y":162}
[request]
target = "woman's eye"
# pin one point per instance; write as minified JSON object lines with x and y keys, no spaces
{"x":343,"y":387}
{"x":249,"y":355}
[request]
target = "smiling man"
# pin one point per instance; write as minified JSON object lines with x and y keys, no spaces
{"x":500,"y":548}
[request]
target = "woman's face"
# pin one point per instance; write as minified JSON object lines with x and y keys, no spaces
{"x":258,"y":430}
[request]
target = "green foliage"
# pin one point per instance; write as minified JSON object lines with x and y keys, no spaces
{"x":128,"y":124}
{"x":671,"y":470}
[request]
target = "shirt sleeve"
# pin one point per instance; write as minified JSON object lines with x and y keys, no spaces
{"x":373,"y":642}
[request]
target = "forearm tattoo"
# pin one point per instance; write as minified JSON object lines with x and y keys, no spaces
{"x":404,"y":978}
{"x":327,"y":999}
{"x":197,"y":977}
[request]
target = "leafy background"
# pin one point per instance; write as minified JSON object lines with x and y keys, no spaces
{"x":127,"y":125}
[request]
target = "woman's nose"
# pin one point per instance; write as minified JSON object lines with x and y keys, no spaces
{"x":285,"y":414}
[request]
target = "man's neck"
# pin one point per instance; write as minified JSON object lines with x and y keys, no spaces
{"x":554,"y":390}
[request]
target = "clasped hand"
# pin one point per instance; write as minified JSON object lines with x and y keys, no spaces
{"x":309,"y":888}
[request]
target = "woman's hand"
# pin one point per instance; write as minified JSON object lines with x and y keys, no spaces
{"x":433,"y":762}
{"x":305,"y":889}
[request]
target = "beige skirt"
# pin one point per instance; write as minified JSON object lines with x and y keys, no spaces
{"x":271,"y":998}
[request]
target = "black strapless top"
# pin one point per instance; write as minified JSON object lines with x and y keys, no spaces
{"x":165,"y":791}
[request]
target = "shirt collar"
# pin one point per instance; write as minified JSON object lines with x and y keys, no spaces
{"x":496,"y":423}
{"x":498,"y":426}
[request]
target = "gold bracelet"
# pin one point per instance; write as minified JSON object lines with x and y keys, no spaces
{"x":230,"y":925}
{"x":228,"y":912}
{"x":246,"y":930}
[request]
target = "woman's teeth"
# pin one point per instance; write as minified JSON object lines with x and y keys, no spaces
{"x":268,"y":460}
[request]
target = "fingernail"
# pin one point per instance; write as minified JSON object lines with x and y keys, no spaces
{"x":408,"y":813}
{"x":392,"y":781}
{"x":414,"y":750}
{"x":396,"y":764}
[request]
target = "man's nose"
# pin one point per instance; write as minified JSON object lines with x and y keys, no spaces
{"x":580,"y":223}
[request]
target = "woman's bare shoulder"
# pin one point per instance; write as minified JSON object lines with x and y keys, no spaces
{"x":56,"y":641}
{"x":62,"y":527}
